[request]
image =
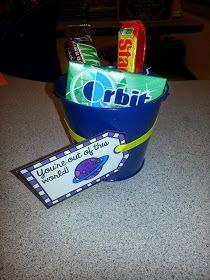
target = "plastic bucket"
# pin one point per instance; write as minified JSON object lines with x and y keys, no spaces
{"x":132,"y":121}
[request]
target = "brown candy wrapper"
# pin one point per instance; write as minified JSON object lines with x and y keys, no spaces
{"x":79,"y":45}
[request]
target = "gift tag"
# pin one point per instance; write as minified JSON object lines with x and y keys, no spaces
{"x":57,"y":177}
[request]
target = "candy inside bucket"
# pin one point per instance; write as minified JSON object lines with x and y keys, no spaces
{"x":134,"y":122}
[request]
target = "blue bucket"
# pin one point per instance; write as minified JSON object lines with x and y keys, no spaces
{"x":134,"y":122}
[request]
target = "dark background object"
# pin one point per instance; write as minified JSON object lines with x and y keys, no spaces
{"x":28,"y":40}
{"x":86,"y":9}
{"x":74,"y":9}
{"x":146,"y":10}
{"x":198,"y":7}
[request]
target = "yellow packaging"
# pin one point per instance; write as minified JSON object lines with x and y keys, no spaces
{"x":127,"y":46}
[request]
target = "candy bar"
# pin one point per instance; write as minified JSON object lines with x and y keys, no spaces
{"x":131,"y":46}
{"x":79,"y":45}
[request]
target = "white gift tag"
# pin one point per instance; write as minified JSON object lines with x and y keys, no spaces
{"x":73,"y":169}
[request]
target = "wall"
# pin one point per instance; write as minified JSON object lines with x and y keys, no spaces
{"x":197,"y":58}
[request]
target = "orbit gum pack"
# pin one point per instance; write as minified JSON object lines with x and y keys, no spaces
{"x":103,"y":87}
{"x":131,"y":46}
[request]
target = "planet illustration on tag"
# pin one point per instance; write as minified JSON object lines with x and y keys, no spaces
{"x":89,"y":168}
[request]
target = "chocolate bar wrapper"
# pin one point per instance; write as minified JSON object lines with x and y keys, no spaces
{"x":80,"y":46}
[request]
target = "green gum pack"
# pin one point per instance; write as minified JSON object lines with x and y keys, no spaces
{"x":103,"y":87}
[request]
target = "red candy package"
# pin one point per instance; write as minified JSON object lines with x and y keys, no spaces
{"x":131,"y":46}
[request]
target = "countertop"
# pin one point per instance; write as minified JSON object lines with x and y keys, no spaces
{"x":154,"y":225}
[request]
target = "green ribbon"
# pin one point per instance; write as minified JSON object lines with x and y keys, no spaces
{"x":122,"y":147}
